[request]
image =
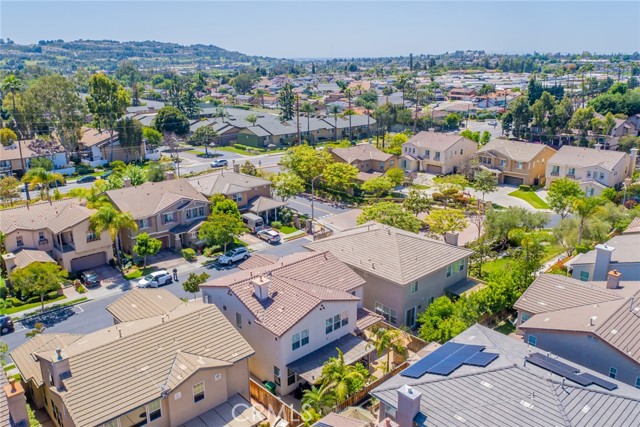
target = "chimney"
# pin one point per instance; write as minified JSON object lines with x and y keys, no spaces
{"x":634,"y":160}
{"x":261,"y":287}
{"x":598,"y":147}
{"x":451,"y":238}
{"x":603,"y":259}
{"x":16,"y":403}
{"x":9,"y":261}
{"x":127,"y":182}
{"x":408,"y":406}
{"x":236,"y":167}
{"x":613,"y":279}
{"x":168,"y":175}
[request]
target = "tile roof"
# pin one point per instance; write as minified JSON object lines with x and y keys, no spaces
{"x":634,"y":227}
{"x":27,"y":256}
{"x":91,"y":137}
{"x":622,"y":328}
{"x":514,"y":150}
{"x":434,"y":140}
{"x":393,"y":254}
{"x":226,"y":182}
{"x":625,"y":245}
{"x":258,"y":260}
{"x":143,"y":303}
{"x":366,"y":319}
{"x":146,"y":358}
{"x":152,"y":198}
{"x":362,"y":152}
{"x":260,"y":204}
{"x":569,"y":155}
{"x":337,"y":420}
{"x":4,"y":406}
{"x":299,"y":283}
{"x":30,"y":148}
{"x":56,"y":216}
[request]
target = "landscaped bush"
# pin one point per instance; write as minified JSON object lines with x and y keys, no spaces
{"x":3,"y":292}
{"x":438,"y":197}
{"x":211,"y":251}
{"x":81,"y":289}
{"x":52,"y":295}
{"x":83,"y":169}
{"x":189,"y":254}
{"x":276,"y":224}
{"x":525,"y":188}
{"x":240,"y":146}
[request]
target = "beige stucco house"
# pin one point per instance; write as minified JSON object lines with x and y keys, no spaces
{"x":437,"y":153}
{"x":53,"y":231}
{"x":12,"y":164}
{"x":515,"y":162}
{"x":369,"y":160}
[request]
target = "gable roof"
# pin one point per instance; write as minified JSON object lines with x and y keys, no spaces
{"x":27,"y":256}
{"x":299,"y":283}
{"x":435,"y":140}
{"x":572,"y":156}
{"x":226,"y":182}
{"x":91,"y":137}
{"x":362,"y":152}
{"x":56,"y":216}
{"x":152,"y":198}
{"x":515,"y":150}
{"x":625,"y":245}
{"x":393,"y":254}
{"x":634,"y":226}
{"x":30,"y":148}
{"x":143,"y":303}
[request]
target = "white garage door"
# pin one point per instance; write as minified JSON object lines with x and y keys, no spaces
{"x":89,"y":261}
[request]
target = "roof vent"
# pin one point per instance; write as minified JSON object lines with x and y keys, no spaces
{"x":59,"y":353}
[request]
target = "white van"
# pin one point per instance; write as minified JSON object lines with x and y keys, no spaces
{"x":253,"y":222}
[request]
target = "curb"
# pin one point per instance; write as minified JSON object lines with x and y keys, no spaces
{"x":21,"y":319}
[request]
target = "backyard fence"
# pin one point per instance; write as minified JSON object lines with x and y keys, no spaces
{"x":273,"y":404}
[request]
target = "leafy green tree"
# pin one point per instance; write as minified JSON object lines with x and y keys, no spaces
{"x":171,"y":120}
{"x":566,"y":235}
{"x":42,"y":162}
{"x":341,"y":377}
{"x":226,"y":207}
{"x":252,"y":119}
{"x":221,"y":229}
{"x":193,"y":282}
{"x":146,"y":245}
{"x":440,"y":322}
{"x":286,"y":101}
{"x":627,"y":142}
{"x":38,"y":278}
{"x":286,"y":185}
{"x":340,"y":176}
{"x":485,"y":138}
{"x":205,"y":135}
{"x":242,"y":83}
{"x":498,"y":223}
{"x":484,"y":182}
{"x":389,"y":340}
{"x":40,"y":177}
{"x":378,"y":186}
{"x":9,"y":190}
{"x":156,"y":170}
{"x":136,"y":175}
{"x":7,"y":137}
{"x":446,"y":221}
{"x":151,"y":136}
{"x":320,"y":398}
{"x":585,"y":208}
{"x":395,"y":175}
{"x":130,"y":136}
{"x":520,"y":115}
{"x":109,"y":218}
{"x":417,"y":202}
{"x":107,"y":102}
{"x":469,"y":134}
{"x":306,"y":162}
{"x":582,"y":120}
{"x":308,"y":108}
{"x":561,"y":193}
{"x":392,"y":214}
{"x":248,"y":168}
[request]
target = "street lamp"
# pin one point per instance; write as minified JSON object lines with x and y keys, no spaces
{"x":313,"y":199}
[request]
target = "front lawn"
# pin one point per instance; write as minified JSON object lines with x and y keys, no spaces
{"x":530,"y":197}
{"x":135,"y":272}
{"x":233,"y":150}
{"x":287,"y":229}
{"x":506,"y":327}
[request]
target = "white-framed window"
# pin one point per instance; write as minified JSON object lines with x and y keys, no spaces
{"x":601,"y":175}
{"x":40,"y":235}
{"x":153,"y":410}
{"x":520,"y":165}
{"x":449,"y":270}
{"x":276,"y":376}
{"x":461,"y":265}
{"x":584,"y":276}
{"x":571,"y":171}
{"x":238,"y":320}
{"x":19,"y":241}
{"x":198,"y":392}
{"x":92,"y":236}
{"x":237,"y":197}
{"x":345,"y":318}
{"x":333,"y":323}
{"x":143,"y":223}
{"x":555,"y":170}
{"x":389,"y":314}
{"x":300,"y":339}
{"x":613,"y":372}
{"x":291,"y":377}
{"x":196,"y":212}
{"x":532,"y":340}
{"x":112,"y":423}
{"x":455,"y":267}
{"x":414,"y":287}
{"x":637,"y":382}
{"x":169,"y":217}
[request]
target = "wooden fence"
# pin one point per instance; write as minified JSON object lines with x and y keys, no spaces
{"x":414,"y":345}
{"x":273,"y":404}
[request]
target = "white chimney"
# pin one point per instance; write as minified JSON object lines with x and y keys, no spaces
{"x":261,"y":287}
{"x":613,"y":279}
{"x":127,"y":182}
{"x":408,"y":406}
{"x":168,"y":175}
{"x":603,"y":259}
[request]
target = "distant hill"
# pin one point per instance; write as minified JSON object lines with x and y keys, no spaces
{"x":66,"y":57}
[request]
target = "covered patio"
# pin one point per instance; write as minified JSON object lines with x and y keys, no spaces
{"x":235,"y":412}
{"x":266,"y":207}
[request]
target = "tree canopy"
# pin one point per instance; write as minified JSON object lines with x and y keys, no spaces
{"x":392,"y":214}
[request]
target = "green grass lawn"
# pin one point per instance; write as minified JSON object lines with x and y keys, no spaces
{"x":24,"y":307}
{"x":138,"y":272}
{"x":419,"y":187}
{"x":196,"y":152}
{"x":234,"y":150}
{"x":287,"y":229}
{"x":530,"y":197}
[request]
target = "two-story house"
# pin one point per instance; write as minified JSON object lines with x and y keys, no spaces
{"x":619,"y":253}
{"x":437,"y":153}
{"x":171,"y":211}
{"x":161,"y":370}
{"x":12,"y":164}
{"x":462,"y":94}
{"x":294,"y":313}
{"x":594,"y":169}
{"x":515,"y":162}
{"x":404,"y":272}
{"x":369,"y":160}
{"x":53,"y":231}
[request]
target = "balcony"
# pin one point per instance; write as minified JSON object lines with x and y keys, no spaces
{"x":571,"y":175}
{"x":555,"y":173}
{"x":42,"y":242}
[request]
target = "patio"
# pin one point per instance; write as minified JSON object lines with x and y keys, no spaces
{"x":235,"y":412}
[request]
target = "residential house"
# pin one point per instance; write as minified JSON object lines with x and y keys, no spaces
{"x":484,"y":378}
{"x":187,"y":367}
{"x":95,"y":149}
{"x":404,"y":272}
{"x":462,"y":94}
{"x":294,"y":313}
{"x":369,"y":160}
{"x":619,"y":253}
{"x":515,"y":162}
{"x":595,"y":324}
{"x":592,"y":168}
{"x":171,"y":211}
{"x":12,"y":164}
{"x":57,"y":231}
{"x":437,"y":153}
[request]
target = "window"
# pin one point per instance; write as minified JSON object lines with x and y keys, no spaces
{"x":194,"y":212}
{"x":520,"y":164}
{"x":291,"y":377}
{"x":601,"y":175}
{"x":532,"y":340}
{"x":276,"y":375}
{"x":239,"y":320}
{"x":153,"y":411}
{"x":91,"y":237}
{"x":431,"y":300}
{"x":198,"y":392}
{"x":382,"y":165}
{"x":40,"y":235}
{"x":555,"y":170}
{"x":571,"y":172}
{"x":449,"y":270}
{"x":169,"y":217}
{"x":389,"y":314}
{"x":19,"y":241}
{"x":300,"y":339}
{"x":410,"y":317}
{"x":584,"y":276}
{"x":461,"y":265}
{"x":524,"y":317}
{"x":237,"y":197}
{"x":345,"y":318}
{"x":143,"y":223}
{"x":437,"y":156}
{"x":588,"y":174}
{"x":455,"y":267}
{"x":613,"y":372}
{"x":333,"y":323}
{"x":414,"y":287}
{"x":637,"y":382}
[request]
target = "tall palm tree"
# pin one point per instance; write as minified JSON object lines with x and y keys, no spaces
{"x":389,"y":341}
{"x":349,"y":111}
{"x":321,"y":398}
{"x":109,"y":218}
{"x":260,"y":93}
{"x":95,"y":198}
{"x":308,"y":108}
{"x":335,"y":110}
{"x":41,"y":177}
{"x":341,"y":376}
{"x":12,"y":84}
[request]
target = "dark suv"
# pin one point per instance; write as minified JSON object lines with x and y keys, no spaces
{"x":89,"y":278}
{"x":6,"y":324}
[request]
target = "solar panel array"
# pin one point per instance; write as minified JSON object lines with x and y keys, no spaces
{"x":569,"y":372}
{"x":448,"y":358}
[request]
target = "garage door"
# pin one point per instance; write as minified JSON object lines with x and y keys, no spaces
{"x":89,"y":261}
{"x":165,"y":241}
{"x":434,"y":169}
{"x":512,"y":180}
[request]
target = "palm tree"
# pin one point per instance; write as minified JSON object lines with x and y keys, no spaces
{"x":95,"y":198}
{"x":389,"y":341}
{"x":41,"y":177}
{"x":308,"y":108}
{"x":260,"y":93}
{"x":586,"y":208}
{"x":341,"y":376}
{"x":321,"y":398}
{"x":349,"y":111}
{"x":109,"y":218}
{"x":335,"y":110}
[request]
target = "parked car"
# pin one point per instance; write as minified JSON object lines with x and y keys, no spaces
{"x":106,"y":175}
{"x":85,"y":179}
{"x":493,"y":123}
{"x":155,"y":279}
{"x":6,"y":324}
{"x":89,"y":278}
{"x":218,"y":163}
{"x":271,"y":235}
{"x":234,"y":255}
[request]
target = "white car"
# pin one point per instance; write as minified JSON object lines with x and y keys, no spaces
{"x":271,"y":235}
{"x":234,"y":255}
{"x":493,"y":123}
{"x":155,"y":279}
{"x":218,"y":163}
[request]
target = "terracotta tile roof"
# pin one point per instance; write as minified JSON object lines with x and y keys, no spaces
{"x":258,"y":260}
{"x":226,"y":182}
{"x":91,"y":137}
{"x":514,"y":150}
{"x":393,"y":254}
{"x":299,"y":283}
{"x":434,"y":140}
{"x":27,"y":256}
{"x":30,"y":148}
{"x":56,"y":216}
{"x":362,"y":152}
{"x":366,"y":319}
{"x":144,"y":303}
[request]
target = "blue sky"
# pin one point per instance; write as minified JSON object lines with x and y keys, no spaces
{"x":304,"y":28}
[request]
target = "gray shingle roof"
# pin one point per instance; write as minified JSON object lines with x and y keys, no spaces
{"x":569,"y":155}
{"x":626,"y":251}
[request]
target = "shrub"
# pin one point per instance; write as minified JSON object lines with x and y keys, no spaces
{"x":15,"y":302}
{"x":438,"y":197}
{"x":210,"y":252}
{"x":3,"y":292}
{"x":189,"y":254}
{"x":81,"y":289}
{"x":52,"y":295}
{"x":83,"y":169}
{"x":7,"y":303}
{"x":276,"y":224}
{"x":240,"y":146}
{"x":33,"y":299}
{"x":525,"y":188}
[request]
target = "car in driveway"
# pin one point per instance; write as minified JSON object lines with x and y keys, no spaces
{"x":237,"y":254}
{"x":86,"y":179}
{"x":270,"y":235}
{"x":6,"y":324}
{"x":89,"y":278}
{"x":155,"y":279}
{"x":218,"y":163}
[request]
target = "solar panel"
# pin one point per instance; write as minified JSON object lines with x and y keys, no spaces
{"x":447,"y":359}
{"x":456,"y":359}
{"x":481,"y":359}
{"x":423,"y":365}
{"x":569,"y":372}
{"x":598,"y":381}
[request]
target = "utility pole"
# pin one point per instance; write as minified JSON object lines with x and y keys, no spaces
{"x":415,"y":120}
{"x":298,"y":117}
